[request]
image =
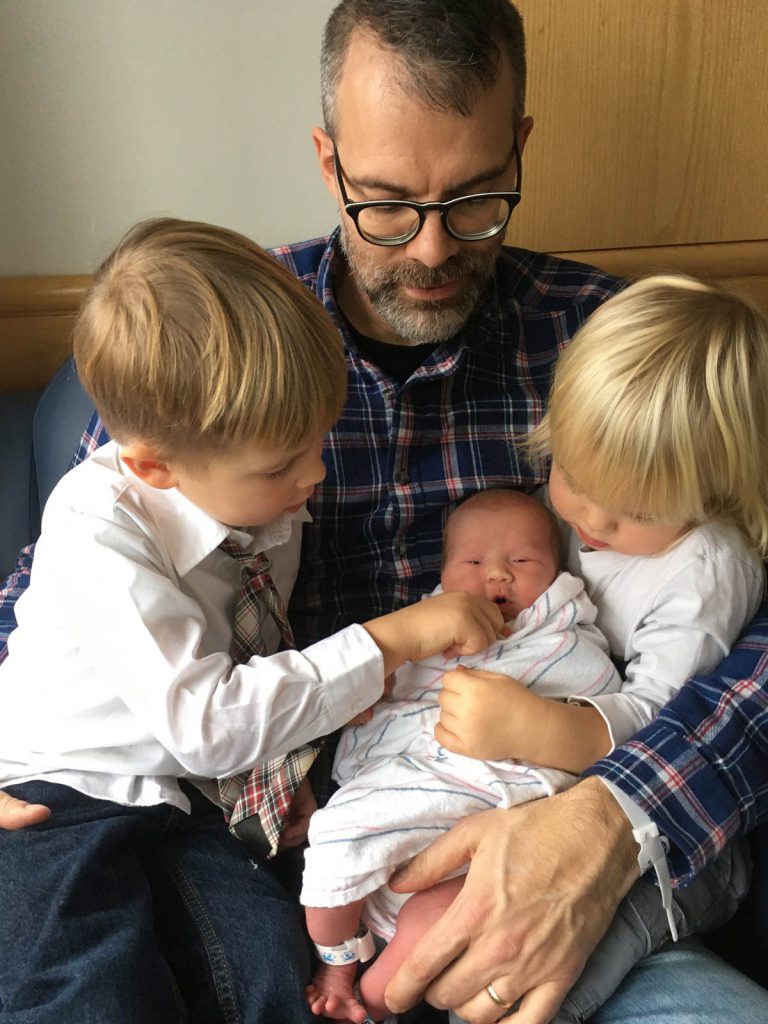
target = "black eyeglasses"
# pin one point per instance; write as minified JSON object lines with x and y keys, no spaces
{"x":396,"y":221}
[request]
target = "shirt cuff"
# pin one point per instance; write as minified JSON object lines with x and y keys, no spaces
{"x":350,"y":666}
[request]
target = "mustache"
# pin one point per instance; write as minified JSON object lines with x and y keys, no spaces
{"x":416,"y":275}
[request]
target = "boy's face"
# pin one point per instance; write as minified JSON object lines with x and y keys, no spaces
{"x":630,"y":532}
{"x":504,"y":555}
{"x":255,"y":486}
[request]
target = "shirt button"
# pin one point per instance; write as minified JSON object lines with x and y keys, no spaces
{"x":401,"y":476}
{"x":401,"y":547}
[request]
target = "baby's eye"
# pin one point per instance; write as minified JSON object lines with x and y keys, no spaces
{"x":639,"y":517}
{"x":276,"y":473}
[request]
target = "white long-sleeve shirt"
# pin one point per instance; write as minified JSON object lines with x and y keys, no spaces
{"x":668,"y":616}
{"x":119,"y":681}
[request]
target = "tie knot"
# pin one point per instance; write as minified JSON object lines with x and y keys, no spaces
{"x":250,"y":562}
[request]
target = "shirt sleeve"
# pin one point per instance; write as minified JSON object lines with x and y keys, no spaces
{"x":700,"y":769}
{"x":148,"y":639}
{"x":14,"y":586}
{"x":691,"y":626}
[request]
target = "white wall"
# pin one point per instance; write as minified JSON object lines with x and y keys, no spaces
{"x":116,"y":110}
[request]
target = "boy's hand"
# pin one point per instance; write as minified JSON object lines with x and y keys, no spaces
{"x":490,"y":716}
{"x":16,"y":814}
{"x":303,"y":806}
{"x":454,"y":624}
{"x":495,"y":717}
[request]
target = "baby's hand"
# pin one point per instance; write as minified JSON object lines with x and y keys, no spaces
{"x":303,"y":806}
{"x":489,"y":716}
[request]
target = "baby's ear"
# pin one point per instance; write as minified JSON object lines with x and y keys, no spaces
{"x":145,"y":462}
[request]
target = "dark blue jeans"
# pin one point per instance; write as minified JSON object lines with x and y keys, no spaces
{"x":143,"y":915}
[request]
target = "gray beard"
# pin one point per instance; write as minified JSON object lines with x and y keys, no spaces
{"x":422,"y":322}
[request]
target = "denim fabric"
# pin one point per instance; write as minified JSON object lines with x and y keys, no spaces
{"x":143,"y":915}
{"x":682,"y":984}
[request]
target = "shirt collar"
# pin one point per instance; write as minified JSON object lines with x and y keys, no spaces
{"x":189,"y":534}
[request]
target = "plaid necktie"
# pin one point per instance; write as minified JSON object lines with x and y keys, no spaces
{"x":259,"y":800}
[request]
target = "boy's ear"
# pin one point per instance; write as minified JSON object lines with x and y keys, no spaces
{"x":145,"y":462}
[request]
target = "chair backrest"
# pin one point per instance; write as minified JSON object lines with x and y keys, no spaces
{"x":61,"y":417}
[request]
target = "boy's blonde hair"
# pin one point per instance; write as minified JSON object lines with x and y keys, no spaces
{"x":192,"y":337}
{"x":659,"y":406}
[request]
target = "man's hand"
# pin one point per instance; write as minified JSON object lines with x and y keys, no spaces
{"x":19,"y":814}
{"x":303,"y":806}
{"x":544,"y":882}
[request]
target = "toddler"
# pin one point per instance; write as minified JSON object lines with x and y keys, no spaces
{"x":658,"y":432}
{"x":217,"y":374}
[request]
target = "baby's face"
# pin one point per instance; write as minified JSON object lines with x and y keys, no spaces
{"x":504,"y":555}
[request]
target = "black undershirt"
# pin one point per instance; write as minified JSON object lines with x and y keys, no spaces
{"x":399,"y":361}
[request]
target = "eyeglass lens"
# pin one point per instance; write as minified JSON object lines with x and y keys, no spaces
{"x":472,"y":218}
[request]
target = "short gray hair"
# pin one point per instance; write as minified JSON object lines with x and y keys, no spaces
{"x":452,"y":49}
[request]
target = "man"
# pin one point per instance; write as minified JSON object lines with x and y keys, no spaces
{"x":451,"y":342}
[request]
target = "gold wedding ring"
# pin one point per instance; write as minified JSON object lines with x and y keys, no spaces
{"x":496,"y":997}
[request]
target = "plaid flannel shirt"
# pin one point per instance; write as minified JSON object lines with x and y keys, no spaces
{"x":402,"y":454}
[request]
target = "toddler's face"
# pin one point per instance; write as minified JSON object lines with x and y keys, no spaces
{"x":256,"y":484}
{"x":630,"y":532}
{"x":504,"y":555}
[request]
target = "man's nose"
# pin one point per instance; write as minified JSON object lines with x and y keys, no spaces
{"x":433,"y":245}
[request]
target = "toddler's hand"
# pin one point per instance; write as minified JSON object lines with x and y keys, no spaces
{"x":303,"y":806}
{"x":489,"y":716}
{"x":454,"y":624}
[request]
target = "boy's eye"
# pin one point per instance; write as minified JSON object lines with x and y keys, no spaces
{"x":639,"y":517}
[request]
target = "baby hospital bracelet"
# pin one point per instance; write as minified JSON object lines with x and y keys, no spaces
{"x":361,"y":947}
{"x":653,"y":848}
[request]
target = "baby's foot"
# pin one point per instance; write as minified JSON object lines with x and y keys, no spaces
{"x":332,"y":994}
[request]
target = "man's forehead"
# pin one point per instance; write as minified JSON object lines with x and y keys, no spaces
{"x":388,"y":135}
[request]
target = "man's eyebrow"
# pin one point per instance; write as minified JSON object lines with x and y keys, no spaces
{"x":459,"y":189}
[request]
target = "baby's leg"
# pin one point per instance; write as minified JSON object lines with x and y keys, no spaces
{"x":416,"y":916}
{"x":332,"y":990}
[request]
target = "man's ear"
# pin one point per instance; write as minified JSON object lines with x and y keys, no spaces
{"x":324,"y":149}
{"x":525,"y":129}
{"x":145,"y":462}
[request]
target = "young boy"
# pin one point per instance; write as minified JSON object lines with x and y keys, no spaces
{"x":217,"y":374}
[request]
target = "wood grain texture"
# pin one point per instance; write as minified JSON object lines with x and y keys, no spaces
{"x":651,"y":123}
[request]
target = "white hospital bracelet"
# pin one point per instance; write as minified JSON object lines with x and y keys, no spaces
{"x":360,"y":947}
{"x":653,"y":847}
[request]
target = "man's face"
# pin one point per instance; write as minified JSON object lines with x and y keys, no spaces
{"x":392,"y":146}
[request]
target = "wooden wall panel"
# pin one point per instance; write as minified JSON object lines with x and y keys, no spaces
{"x":36,"y":318}
{"x":651,"y":123}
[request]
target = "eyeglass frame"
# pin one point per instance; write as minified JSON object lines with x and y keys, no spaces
{"x":354,"y":209}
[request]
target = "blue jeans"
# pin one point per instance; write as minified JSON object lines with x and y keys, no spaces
{"x":143,"y":915}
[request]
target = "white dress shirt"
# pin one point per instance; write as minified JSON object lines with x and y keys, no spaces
{"x":119,"y":680}
{"x":668,"y":616}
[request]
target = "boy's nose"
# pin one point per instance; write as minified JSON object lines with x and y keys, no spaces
{"x":599,"y":521}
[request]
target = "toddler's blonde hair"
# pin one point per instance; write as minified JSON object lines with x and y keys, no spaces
{"x":193,"y":338}
{"x":659,"y":406}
